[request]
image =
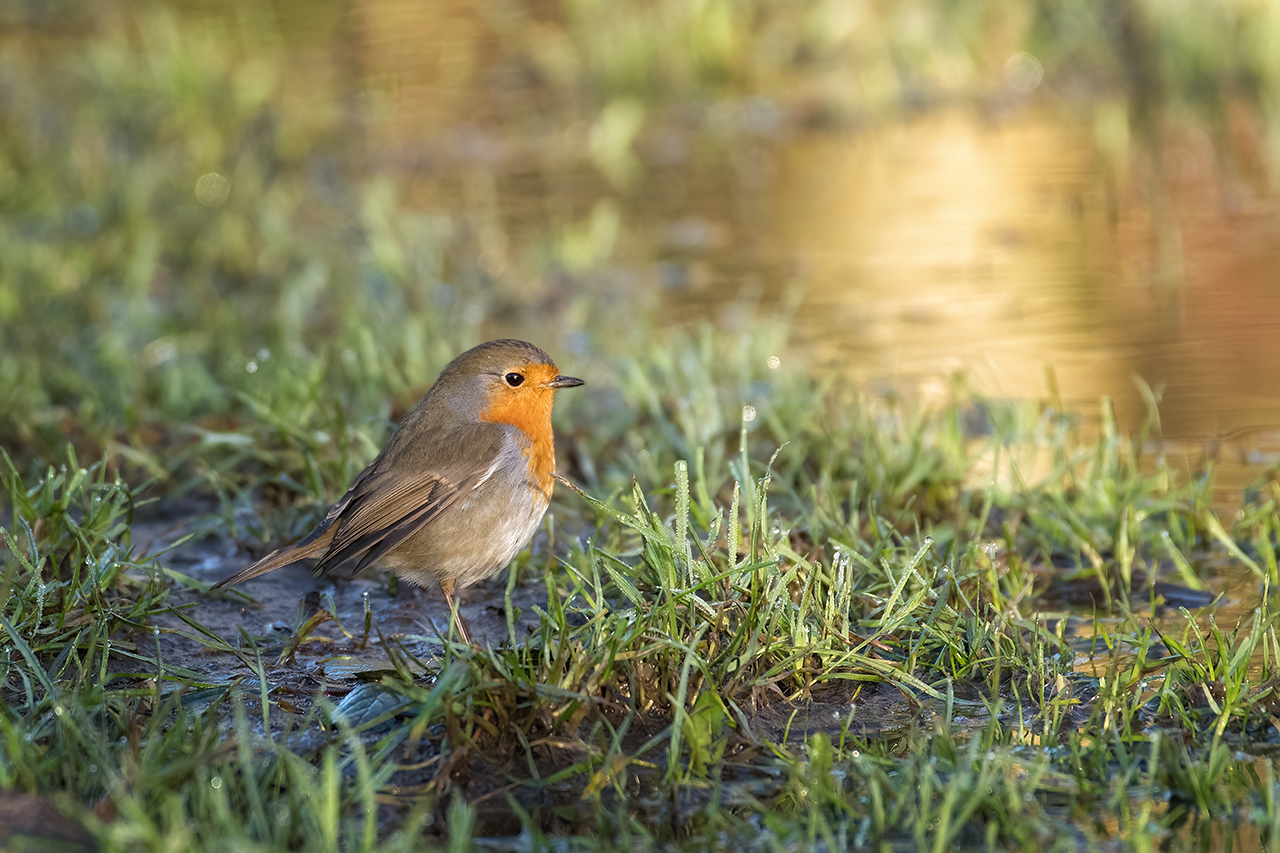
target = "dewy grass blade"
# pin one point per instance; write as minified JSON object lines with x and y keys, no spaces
{"x":33,"y":664}
{"x":681,"y":540}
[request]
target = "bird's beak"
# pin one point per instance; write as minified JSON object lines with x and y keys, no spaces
{"x":563,"y":382}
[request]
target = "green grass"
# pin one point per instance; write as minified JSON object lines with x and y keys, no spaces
{"x":660,"y":649}
{"x":838,"y":623}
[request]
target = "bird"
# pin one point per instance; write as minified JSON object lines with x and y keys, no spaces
{"x":460,"y":486}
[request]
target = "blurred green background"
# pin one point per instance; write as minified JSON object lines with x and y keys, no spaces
{"x":292,"y":214}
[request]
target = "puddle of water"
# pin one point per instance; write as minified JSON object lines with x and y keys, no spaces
{"x":1230,"y":599}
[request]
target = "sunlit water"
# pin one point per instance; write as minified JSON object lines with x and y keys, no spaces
{"x":1039,"y":250}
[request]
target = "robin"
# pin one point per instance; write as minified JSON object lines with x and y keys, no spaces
{"x":461,"y":485}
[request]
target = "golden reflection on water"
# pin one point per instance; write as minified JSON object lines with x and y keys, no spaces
{"x":1011,"y":246}
{"x":1006,"y":249}
{"x":946,"y":244}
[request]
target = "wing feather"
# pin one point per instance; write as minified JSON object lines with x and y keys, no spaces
{"x":390,"y":509}
{"x":392,"y":499}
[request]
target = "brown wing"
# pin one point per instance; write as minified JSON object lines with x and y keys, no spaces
{"x":383,"y":510}
{"x":389,"y":502}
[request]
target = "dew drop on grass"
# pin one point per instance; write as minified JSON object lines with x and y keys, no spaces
{"x":774,"y":362}
{"x":212,"y":189}
{"x":59,"y":711}
{"x":748,"y":413}
{"x":251,"y":367}
{"x":216,"y":782}
{"x":264,"y":354}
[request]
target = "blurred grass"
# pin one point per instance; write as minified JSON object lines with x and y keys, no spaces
{"x":835,"y":537}
{"x":655,"y":625}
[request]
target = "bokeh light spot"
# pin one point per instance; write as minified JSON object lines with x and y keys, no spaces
{"x":1023,"y":72}
{"x":212,"y":189}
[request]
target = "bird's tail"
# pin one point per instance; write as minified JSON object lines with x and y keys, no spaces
{"x":313,"y":545}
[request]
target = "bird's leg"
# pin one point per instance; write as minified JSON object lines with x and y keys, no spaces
{"x":455,"y":614}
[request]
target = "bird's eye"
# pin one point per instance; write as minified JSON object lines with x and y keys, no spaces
{"x":514,"y":379}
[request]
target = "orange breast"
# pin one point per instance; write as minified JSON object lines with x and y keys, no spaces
{"x":528,"y":409}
